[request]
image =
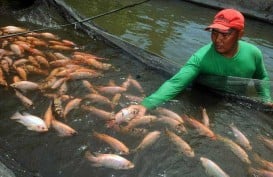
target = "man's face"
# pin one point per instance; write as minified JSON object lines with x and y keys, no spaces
{"x":226,"y":42}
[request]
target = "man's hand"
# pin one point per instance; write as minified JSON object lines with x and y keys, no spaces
{"x":270,"y":104}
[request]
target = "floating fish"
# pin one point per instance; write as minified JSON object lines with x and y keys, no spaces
{"x":109,"y":160}
{"x":236,"y":149}
{"x":260,"y":172}
{"x":205,"y":117}
{"x":212,"y":169}
{"x":240,"y":137}
{"x":32,"y":122}
{"x":181,"y":144}
{"x":266,"y":141}
{"x":148,"y":140}
{"x":63,"y":129}
{"x":25,"y":86}
{"x":72,"y":104}
{"x":119,"y":146}
{"x":201,"y":128}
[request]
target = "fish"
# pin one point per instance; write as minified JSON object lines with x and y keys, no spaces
{"x":105,"y":115}
{"x":144,"y":120}
{"x":48,"y":116}
{"x":35,"y":70}
{"x":89,"y":86}
{"x":58,"y":83}
{"x":5,"y":66}
{"x":236,"y":149}
{"x":33,"y":61}
{"x":201,"y":128}
{"x":133,"y":98}
{"x":83,"y":75}
{"x":169,"y":113}
{"x":13,"y":29}
{"x":262,"y":162}
{"x":109,"y":161}
{"x":63,"y":88}
{"x":97,"y":98}
{"x":91,"y":62}
{"x":32,"y":122}
{"x":240,"y":137}
{"x":137,"y":85}
{"x":173,"y":124}
{"x":205,"y":117}
{"x":266,"y":141}
{"x":212,"y":169}
{"x":111,"y":90}
{"x":88,"y":55}
{"x":42,"y":61}
{"x":72,"y":104}
{"x":181,"y":144}
{"x":119,"y":146}
{"x":48,"y":35}
{"x":63,"y":129}
{"x":148,"y":140}
{"x":57,"y":106}
{"x":25,"y":86}
{"x":260,"y":172}
{"x":21,"y":72}
{"x":25,"y":100}
{"x":61,"y":47}
{"x":17,"y":49}
{"x":135,"y":132}
{"x":3,"y":81}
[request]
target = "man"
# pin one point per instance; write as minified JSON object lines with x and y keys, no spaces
{"x":226,"y":55}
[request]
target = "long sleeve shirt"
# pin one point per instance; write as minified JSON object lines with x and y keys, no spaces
{"x":246,"y":63}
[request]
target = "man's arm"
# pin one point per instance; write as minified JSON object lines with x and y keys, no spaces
{"x":174,"y":85}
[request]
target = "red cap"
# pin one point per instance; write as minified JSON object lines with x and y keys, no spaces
{"x":226,"y":19}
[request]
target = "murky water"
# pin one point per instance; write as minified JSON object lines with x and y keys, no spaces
{"x":173,"y":29}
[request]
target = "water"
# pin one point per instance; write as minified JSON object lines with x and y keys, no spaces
{"x":175,"y":34}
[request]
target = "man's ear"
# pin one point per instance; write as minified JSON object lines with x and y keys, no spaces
{"x":241,"y":33}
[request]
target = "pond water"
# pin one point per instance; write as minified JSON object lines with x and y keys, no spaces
{"x":172,"y":29}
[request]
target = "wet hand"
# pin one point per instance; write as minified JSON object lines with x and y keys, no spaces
{"x":270,"y":104}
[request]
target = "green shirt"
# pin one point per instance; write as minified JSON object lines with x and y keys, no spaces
{"x":246,"y":63}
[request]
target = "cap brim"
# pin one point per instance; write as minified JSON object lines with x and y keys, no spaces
{"x":219,"y":27}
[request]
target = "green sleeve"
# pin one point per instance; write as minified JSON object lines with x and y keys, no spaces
{"x":261,"y":73}
{"x":174,"y":85}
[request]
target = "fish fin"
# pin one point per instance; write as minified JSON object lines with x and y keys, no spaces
{"x":16,"y":115}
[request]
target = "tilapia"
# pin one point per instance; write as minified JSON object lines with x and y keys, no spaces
{"x":181,"y":144}
{"x":236,"y":149}
{"x":205,"y":117}
{"x":119,"y":146}
{"x":32,"y":122}
{"x":260,"y":172}
{"x":63,"y":129}
{"x":266,"y":141}
{"x":72,"y":104}
{"x":148,"y":140}
{"x":109,"y":160}
{"x":212,"y":169}
{"x":201,"y":128}
{"x":25,"y":86}
{"x":240,"y":137}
